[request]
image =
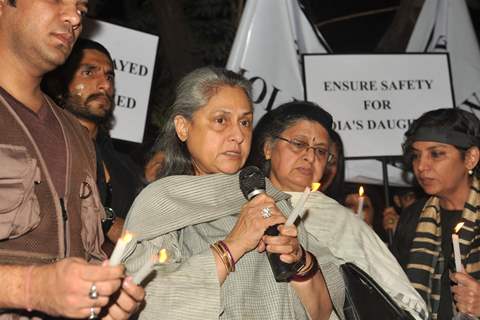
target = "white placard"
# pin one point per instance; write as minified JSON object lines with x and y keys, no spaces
{"x":134,"y":54}
{"x":374,"y":98}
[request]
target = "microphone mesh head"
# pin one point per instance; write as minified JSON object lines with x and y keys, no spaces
{"x":251,"y":179}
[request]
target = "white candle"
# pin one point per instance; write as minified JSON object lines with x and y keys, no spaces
{"x":144,"y":271}
{"x":300,"y":205}
{"x":456,"y":248}
{"x":120,"y":247}
{"x":361,"y":198}
{"x":147,"y":268}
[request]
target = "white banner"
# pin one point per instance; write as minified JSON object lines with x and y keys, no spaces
{"x":134,"y":54}
{"x":270,"y":39}
{"x":373,"y":98}
{"x":446,"y":26}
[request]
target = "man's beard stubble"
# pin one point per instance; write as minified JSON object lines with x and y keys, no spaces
{"x":81,"y":110}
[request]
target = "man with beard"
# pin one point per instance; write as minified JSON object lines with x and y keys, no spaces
{"x":85,"y":86}
{"x":50,"y":233}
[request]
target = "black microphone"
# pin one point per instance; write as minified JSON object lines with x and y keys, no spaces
{"x":252,"y":183}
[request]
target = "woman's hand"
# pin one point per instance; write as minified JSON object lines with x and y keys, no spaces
{"x":390,"y":219}
{"x":247,"y":233}
{"x":127,"y":301}
{"x":286,"y":244}
{"x":466,"y":293}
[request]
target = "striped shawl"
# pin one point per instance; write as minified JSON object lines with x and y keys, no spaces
{"x":427,"y":263}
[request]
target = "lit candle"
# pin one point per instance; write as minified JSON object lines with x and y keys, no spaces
{"x":301,"y":204}
{"x":456,"y":248}
{"x":147,"y":268}
{"x":120,"y":247}
{"x":361,"y":198}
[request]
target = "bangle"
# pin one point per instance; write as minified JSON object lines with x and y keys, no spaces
{"x":224,"y":245}
{"x":225,"y":255}
{"x":28,"y":283}
{"x":300,"y":264}
{"x":309,"y":272}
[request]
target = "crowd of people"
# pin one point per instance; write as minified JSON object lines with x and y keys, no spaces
{"x":69,"y":197}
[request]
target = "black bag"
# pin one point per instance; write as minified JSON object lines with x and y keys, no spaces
{"x":366,"y":300}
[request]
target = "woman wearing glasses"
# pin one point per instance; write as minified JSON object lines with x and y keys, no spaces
{"x":291,"y":145}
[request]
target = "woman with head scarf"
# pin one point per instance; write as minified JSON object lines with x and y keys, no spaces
{"x":442,"y":147}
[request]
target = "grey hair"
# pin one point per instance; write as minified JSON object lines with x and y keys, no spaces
{"x":193,"y":92}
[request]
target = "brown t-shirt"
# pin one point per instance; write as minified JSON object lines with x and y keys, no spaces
{"x":48,"y":135}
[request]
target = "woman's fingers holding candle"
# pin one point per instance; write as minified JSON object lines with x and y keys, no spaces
{"x":466,"y":293}
{"x":290,"y":231}
{"x":129,"y":300}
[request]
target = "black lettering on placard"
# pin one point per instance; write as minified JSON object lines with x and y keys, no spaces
{"x":412,"y":84}
{"x":348,"y":125}
{"x":473,"y":102}
{"x":441,"y":42}
{"x":374,"y":85}
{"x":350,"y":85}
{"x":263,"y":93}
{"x":273,"y":96}
{"x":376,"y":105}
{"x":130,"y":67}
{"x":387,"y":124}
{"x":125,"y":102}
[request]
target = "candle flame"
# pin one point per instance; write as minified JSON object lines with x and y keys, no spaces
{"x":127,"y":237}
{"x":458,"y":227}
{"x":315,"y":186}
{"x":162,"y":256}
{"x":361,"y":191}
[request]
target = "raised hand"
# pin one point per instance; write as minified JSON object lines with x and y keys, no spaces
{"x":254,"y":219}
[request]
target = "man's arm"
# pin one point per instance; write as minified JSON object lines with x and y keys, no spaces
{"x":59,"y":289}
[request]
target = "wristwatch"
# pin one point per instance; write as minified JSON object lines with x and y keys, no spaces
{"x":109,"y":219}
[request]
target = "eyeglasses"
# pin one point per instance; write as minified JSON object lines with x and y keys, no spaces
{"x":301,"y":146}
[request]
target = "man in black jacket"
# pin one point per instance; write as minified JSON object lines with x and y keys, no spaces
{"x":85,"y":86}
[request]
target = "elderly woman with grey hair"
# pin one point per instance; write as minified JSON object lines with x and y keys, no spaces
{"x":215,"y":238}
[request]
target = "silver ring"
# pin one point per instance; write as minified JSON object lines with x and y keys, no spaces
{"x":92,"y":315}
{"x":93,"y":293}
{"x":266,"y":212}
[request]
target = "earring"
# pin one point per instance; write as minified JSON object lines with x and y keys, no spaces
{"x":470,"y":172}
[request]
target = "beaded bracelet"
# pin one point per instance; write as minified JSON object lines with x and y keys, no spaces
{"x":309,"y":272}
